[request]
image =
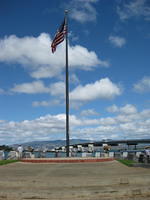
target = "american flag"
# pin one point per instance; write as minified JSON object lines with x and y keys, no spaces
{"x":59,"y":36}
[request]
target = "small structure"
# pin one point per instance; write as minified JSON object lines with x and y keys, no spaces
{"x":90,"y":148}
{"x":28,"y":155}
{"x":80,"y":148}
{"x":125,"y":154}
{"x":84,"y":155}
{"x":12,"y":155}
{"x":63,"y":149}
{"x":106,"y":148}
{"x":70,"y":148}
{"x":111,"y":155}
{"x":97,"y":154}
{"x":2,"y":155}
{"x":147,"y":154}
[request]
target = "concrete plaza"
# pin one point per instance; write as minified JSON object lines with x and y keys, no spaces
{"x":74,"y":181}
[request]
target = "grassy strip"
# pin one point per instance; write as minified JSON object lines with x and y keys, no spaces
{"x":4,"y":162}
{"x":128,"y":163}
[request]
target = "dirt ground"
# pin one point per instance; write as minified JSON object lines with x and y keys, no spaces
{"x":76,"y":181}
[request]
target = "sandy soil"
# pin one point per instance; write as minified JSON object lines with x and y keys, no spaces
{"x":80,"y":181}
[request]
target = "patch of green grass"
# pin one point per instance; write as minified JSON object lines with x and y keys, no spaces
{"x":4,"y":162}
{"x":129,"y":163}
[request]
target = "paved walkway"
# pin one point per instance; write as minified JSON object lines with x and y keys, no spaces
{"x":74,"y":181}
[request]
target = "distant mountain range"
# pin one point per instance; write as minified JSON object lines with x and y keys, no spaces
{"x":51,"y":144}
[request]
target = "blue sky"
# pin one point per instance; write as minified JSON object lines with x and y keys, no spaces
{"x":109,"y":70}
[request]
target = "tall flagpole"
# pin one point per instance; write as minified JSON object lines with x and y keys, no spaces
{"x":67,"y":87}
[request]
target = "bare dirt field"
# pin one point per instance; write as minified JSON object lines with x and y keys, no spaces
{"x":76,"y":181}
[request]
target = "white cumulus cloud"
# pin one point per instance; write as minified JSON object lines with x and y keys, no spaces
{"x":83,"y":11}
{"x":46,"y":103}
{"x":2,"y":91}
{"x":101,"y":89}
{"x":117,"y":41}
{"x":113,"y":109}
{"x":128,"y":123}
{"x":143,"y":85}
{"x":89,"y":112}
{"x":135,"y":8}
{"x":34,"y":54}
{"x":127,"y":109}
{"x":30,"y":88}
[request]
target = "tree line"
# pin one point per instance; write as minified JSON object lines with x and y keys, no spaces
{"x":6,"y":148}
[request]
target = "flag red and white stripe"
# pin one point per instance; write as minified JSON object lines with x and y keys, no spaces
{"x":59,"y":36}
